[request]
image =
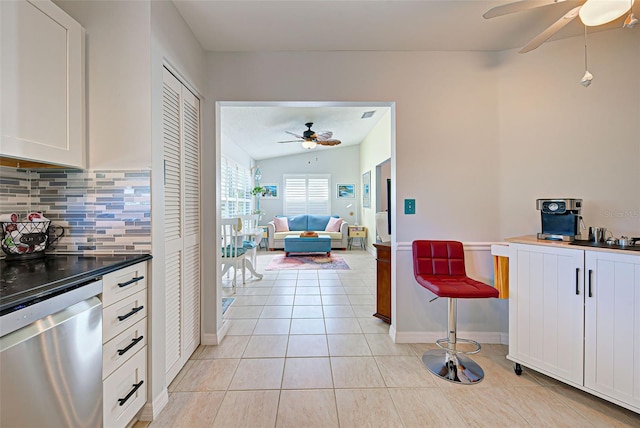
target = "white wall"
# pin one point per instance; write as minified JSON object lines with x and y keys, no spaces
{"x":342,"y":163}
{"x":234,"y":152}
{"x":470,"y":139}
{"x":558,"y":139}
{"x":118,"y":81}
{"x":375,"y":149}
{"x":446,"y":130}
{"x":173,"y":44}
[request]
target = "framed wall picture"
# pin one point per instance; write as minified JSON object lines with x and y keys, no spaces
{"x":366,"y":189}
{"x":271,"y":191}
{"x":347,"y":191}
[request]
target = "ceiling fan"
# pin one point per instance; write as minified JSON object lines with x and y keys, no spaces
{"x":310,"y":138}
{"x":592,"y":13}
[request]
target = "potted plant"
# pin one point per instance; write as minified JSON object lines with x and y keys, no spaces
{"x":258,"y":191}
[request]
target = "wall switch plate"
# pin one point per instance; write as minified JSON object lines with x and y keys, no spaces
{"x":409,"y":206}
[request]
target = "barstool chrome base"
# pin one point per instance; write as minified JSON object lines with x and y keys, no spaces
{"x":454,"y":368}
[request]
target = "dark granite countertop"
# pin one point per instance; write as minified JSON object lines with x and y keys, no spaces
{"x":23,"y":282}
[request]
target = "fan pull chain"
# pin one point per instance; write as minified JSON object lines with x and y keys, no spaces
{"x":588,"y":77}
{"x":585,"y":47}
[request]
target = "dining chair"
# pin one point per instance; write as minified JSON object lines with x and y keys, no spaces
{"x":251,"y":235}
{"x":233,"y":254}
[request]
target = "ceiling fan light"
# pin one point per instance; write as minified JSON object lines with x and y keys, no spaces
{"x":309,"y":144}
{"x":599,"y":12}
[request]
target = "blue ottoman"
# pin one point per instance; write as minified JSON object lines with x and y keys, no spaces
{"x":296,"y":244}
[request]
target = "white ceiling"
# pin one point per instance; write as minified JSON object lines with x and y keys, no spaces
{"x":258,"y":129}
{"x":368,"y":25}
{"x":351,"y":25}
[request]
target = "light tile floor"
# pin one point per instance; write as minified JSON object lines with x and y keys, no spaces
{"x":304,"y":351}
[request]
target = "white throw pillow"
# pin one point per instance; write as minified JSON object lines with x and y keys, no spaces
{"x":333,"y":225}
{"x":281,"y":223}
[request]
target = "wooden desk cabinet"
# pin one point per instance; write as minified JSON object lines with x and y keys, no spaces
{"x":383,"y":291}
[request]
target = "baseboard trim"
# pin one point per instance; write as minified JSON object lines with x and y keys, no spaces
{"x":216,"y":338}
{"x":393,"y":333}
{"x":431,"y":337}
{"x":151,"y":410}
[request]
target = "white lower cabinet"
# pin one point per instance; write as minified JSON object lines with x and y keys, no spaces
{"x":612,"y":326}
{"x":124,"y":350}
{"x":574,"y":315}
{"x":125,"y":391}
{"x":546,"y":310}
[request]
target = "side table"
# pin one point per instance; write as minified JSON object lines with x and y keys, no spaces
{"x":357,"y":232}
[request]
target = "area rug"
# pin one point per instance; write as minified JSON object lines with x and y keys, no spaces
{"x":226,"y":303}
{"x":308,"y":262}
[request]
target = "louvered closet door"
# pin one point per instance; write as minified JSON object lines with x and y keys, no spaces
{"x":191,"y":223}
{"x":181,"y":125}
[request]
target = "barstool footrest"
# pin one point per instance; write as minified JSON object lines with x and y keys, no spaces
{"x":445,"y":344}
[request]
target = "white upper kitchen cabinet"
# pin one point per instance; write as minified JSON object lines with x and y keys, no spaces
{"x":42,"y":84}
{"x":612,"y":326}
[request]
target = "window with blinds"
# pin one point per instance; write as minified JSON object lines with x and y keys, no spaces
{"x":236,"y":189}
{"x":307,"y":194}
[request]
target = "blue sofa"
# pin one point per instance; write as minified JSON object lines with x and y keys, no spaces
{"x":308,"y":222}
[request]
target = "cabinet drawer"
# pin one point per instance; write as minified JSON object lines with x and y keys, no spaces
{"x":125,"y":391}
{"x":358,"y":234}
{"x":122,"y":347}
{"x":123,"y":283}
{"x":123,"y":314}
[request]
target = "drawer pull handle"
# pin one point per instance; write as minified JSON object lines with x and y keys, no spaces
{"x":131,"y":281}
{"x":133,"y":312}
{"x":133,"y":391}
{"x":590,"y":282}
{"x":577,"y":281}
{"x":131,"y":345}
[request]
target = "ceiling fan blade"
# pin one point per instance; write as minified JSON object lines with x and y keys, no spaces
{"x":330,"y":142}
{"x":291,"y":141}
{"x":518,"y":6}
{"x":324,"y":135}
{"x":551,"y":30}
{"x":295,"y":135}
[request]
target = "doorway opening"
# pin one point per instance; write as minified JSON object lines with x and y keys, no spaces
{"x":263,"y":136}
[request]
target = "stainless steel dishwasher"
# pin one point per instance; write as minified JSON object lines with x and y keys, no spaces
{"x":51,"y":361}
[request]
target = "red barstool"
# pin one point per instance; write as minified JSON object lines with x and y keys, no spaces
{"x":439,"y":267}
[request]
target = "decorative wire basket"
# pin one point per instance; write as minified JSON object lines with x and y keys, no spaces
{"x":27,"y":239}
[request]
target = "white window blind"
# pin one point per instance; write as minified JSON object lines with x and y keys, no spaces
{"x":307,"y":194}
{"x":236,"y":189}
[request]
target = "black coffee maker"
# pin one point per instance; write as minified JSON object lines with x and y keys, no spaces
{"x":561,"y":219}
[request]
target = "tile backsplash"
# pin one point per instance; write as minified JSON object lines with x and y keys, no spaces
{"x":101,"y":211}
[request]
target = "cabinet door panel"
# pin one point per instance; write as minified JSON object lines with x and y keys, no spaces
{"x":612,"y":326}
{"x":546,"y":318}
{"x":42,"y":84}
